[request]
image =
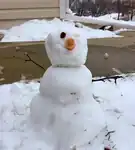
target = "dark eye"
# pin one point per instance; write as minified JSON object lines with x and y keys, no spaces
{"x":62,"y":35}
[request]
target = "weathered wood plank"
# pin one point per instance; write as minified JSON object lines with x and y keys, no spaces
{"x":6,"y":24}
{"x":114,"y":42}
{"x":18,"y":4}
{"x":29,"y":13}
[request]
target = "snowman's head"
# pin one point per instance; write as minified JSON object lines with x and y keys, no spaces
{"x":66,"y":49}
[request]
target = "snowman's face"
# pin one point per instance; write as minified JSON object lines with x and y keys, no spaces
{"x":66,"y":49}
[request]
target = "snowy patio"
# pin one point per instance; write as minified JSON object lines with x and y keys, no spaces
{"x":116,"y":100}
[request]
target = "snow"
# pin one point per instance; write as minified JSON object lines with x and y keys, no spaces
{"x":122,"y":30}
{"x":117,"y":102}
{"x":58,"y":51}
{"x":108,"y":19}
{"x":37,"y":30}
{"x":109,"y":16}
{"x":65,"y":98}
{"x":67,"y":111}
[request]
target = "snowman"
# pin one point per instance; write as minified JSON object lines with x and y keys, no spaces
{"x":64,"y":107}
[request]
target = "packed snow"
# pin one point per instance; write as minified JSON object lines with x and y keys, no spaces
{"x":37,"y":30}
{"x":111,"y":120}
{"x":116,"y":101}
{"x":65,"y":98}
{"x":103,"y":21}
{"x":108,"y":19}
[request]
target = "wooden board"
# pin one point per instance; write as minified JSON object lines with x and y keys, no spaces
{"x":7,"y":24}
{"x":12,"y":58}
{"x":118,"y":42}
{"x":29,"y":13}
{"x":130,"y":34}
{"x":19,"y":4}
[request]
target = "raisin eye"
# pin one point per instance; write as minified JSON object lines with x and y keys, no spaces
{"x":62,"y":35}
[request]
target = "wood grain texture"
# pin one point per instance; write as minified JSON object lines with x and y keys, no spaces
{"x":6,"y":24}
{"x":16,"y":12}
{"x":29,"y":13}
{"x":18,"y":4}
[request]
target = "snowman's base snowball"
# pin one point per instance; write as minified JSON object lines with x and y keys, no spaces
{"x":65,"y":108}
{"x":70,"y":125}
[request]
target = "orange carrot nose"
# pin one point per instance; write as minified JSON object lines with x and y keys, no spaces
{"x":70,"y":44}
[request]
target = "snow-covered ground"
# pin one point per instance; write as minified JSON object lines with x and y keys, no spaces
{"x":36,"y":30}
{"x":109,"y":19}
{"x":117,"y":102}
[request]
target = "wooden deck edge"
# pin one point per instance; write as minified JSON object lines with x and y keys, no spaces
{"x":114,"y":42}
{"x":16,"y":63}
{"x":20,"y":44}
{"x":27,"y":43}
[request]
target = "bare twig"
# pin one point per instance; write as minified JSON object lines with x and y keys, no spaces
{"x":93,"y":80}
{"x":110,"y":132}
{"x":111,"y":145}
{"x":109,"y":135}
{"x":108,"y":78}
{"x":30,"y":59}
